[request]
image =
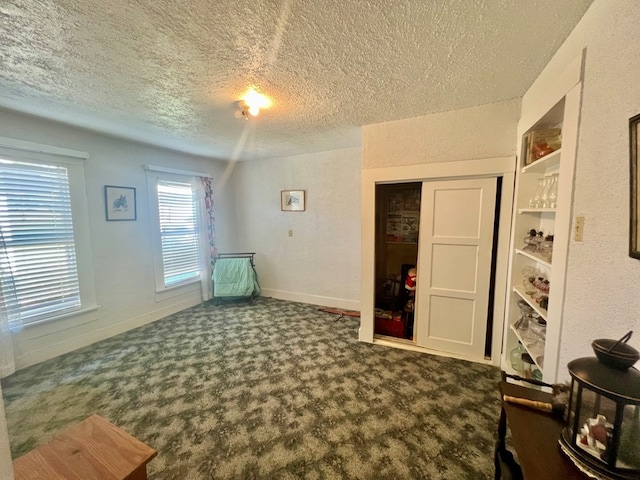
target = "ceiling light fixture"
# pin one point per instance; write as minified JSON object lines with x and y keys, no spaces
{"x":252,"y":102}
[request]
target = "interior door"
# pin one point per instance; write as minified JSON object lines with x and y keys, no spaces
{"x":454,"y":265}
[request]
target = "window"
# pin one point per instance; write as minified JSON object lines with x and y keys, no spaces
{"x":180,"y":242}
{"x":36,"y":222}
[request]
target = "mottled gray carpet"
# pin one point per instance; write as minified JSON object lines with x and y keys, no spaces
{"x":267,"y":390}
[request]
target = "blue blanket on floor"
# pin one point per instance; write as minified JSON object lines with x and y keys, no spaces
{"x":234,"y":277}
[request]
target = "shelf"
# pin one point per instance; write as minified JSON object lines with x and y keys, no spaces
{"x":564,"y":114}
{"x":544,"y":163}
{"x":534,"y":353}
{"x":536,"y":258}
{"x":536,"y":210}
{"x":527,"y":298}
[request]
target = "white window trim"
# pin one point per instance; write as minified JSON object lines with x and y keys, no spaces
{"x":74,"y":162}
{"x":22,"y":145}
{"x":162,"y":292}
{"x":72,"y":313}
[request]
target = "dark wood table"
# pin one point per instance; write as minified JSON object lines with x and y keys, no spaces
{"x":535,"y":437}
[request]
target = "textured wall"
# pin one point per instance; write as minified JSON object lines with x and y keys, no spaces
{"x":321,"y":262}
{"x":602,"y":297}
{"x":486,"y":131}
{"x":122,"y":256}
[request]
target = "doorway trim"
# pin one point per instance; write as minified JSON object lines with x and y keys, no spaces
{"x":481,"y":168}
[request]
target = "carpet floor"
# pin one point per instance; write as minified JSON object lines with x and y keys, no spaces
{"x":267,"y":390}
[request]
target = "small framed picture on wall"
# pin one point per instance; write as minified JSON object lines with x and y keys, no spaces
{"x":120,"y":203}
{"x":292,"y":200}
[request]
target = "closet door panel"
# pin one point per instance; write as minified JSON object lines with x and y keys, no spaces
{"x":454,"y":265}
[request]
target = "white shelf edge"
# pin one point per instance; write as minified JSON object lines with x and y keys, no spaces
{"x":527,"y":298}
{"x":543,"y":163}
{"x":536,"y":210}
{"x":533,"y":257}
{"x":526,"y":347}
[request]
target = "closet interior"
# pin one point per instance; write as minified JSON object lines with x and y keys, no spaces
{"x":396,"y":256}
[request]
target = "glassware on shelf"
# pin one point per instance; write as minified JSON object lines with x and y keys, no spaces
{"x":544,"y":197}
{"x":525,"y":308}
{"x":541,"y":284}
{"x":529,"y":240}
{"x":529,"y":271}
{"x":552,"y":196}
{"x":526,"y":312}
{"x":546,"y":248}
{"x":529,"y":288}
{"x":527,"y":366}
{"x":534,"y":200}
{"x":538,"y":241}
{"x":537,"y":329}
{"x":515,"y":357}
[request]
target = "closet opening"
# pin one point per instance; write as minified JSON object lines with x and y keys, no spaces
{"x":397,"y":225}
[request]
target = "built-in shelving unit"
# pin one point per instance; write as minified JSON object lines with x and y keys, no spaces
{"x":556,"y":221}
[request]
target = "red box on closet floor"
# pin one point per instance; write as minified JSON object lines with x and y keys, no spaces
{"x":390,"y":327}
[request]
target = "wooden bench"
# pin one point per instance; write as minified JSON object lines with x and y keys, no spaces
{"x":93,"y":449}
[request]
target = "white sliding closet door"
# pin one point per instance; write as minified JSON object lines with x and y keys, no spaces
{"x":454,"y":265}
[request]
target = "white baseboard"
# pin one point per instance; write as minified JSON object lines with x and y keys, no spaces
{"x":39,"y":349}
{"x":312,"y":299}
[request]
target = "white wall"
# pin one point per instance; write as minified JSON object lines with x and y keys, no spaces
{"x":486,"y":131}
{"x":122,"y":257}
{"x":601,"y":297}
{"x":320,"y":264}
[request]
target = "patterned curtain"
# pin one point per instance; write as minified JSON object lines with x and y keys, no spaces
{"x":209,"y":248}
{"x":10,"y":320}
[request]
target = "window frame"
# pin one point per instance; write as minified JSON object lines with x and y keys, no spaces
{"x":73,"y":161}
{"x":153,"y":177}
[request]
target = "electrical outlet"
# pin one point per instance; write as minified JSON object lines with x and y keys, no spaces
{"x":291,"y":232}
{"x":578,"y":229}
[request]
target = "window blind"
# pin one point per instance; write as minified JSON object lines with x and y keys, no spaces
{"x":37,"y":228}
{"x":178,"y":232}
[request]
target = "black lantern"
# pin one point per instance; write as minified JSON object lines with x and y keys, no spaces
{"x":602,"y":432}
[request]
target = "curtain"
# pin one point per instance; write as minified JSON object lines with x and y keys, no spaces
{"x":209,"y":250}
{"x":10,"y":320}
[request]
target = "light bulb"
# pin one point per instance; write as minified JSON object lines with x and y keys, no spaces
{"x":255,"y":101}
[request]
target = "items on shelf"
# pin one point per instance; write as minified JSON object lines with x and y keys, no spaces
{"x":536,"y":286}
{"x":538,"y":244}
{"x":546,"y":193}
{"x":531,"y":329}
{"x":539,"y":143}
{"x":523,"y":364}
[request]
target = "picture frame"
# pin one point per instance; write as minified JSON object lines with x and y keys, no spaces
{"x":120,"y":203}
{"x":634,"y":148}
{"x":292,"y":200}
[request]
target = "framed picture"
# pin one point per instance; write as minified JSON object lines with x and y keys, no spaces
{"x":120,"y":203}
{"x":292,"y":200}
{"x":634,"y":148}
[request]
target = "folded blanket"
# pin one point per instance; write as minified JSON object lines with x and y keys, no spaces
{"x":234,"y":277}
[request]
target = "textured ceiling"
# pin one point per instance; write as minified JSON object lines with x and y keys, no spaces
{"x":169,"y":73}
